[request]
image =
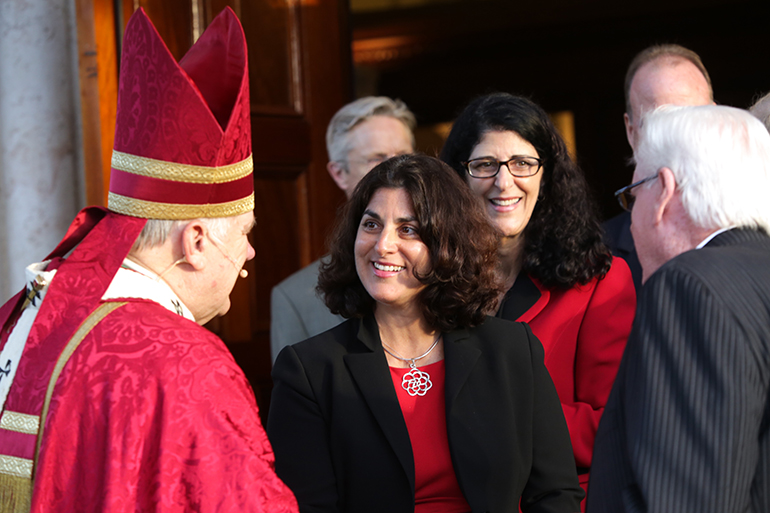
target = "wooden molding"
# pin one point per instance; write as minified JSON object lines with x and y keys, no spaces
{"x":88,"y":67}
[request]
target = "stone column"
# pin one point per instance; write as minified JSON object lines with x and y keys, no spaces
{"x":40,"y":177}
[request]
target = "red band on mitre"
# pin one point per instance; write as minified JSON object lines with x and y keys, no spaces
{"x":183,"y":131}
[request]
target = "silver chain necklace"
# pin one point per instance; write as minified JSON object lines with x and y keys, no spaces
{"x":415,"y":382}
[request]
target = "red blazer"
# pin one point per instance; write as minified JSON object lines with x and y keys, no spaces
{"x":583,"y":331}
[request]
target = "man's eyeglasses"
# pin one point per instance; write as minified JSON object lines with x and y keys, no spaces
{"x":625,"y":198}
{"x":520,"y":166}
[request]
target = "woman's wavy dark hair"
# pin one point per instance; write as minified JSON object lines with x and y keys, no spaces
{"x":462,"y":285}
{"x":563,"y":239}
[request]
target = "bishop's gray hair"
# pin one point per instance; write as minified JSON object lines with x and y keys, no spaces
{"x":156,"y":231}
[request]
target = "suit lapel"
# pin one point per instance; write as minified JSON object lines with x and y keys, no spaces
{"x":460,"y":356}
{"x":370,"y":371}
{"x":524,"y":300}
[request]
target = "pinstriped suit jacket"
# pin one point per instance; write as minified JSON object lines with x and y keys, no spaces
{"x":686,"y":427}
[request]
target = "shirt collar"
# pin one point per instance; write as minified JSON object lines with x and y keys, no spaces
{"x":135,"y":281}
{"x":713,"y":234}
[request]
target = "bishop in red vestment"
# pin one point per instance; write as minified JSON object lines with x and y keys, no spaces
{"x":114,"y":397}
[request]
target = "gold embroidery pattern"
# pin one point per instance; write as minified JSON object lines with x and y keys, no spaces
{"x":88,"y":324}
{"x":13,"y":466}
{"x":20,"y":422}
{"x":188,"y":173}
{"x":155,"y":210}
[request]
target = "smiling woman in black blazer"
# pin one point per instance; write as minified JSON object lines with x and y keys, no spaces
{"x":357,"y":426}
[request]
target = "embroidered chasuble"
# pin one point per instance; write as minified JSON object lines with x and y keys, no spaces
{"x":149,"y":413}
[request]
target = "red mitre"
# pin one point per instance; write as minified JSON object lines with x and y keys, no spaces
{"x":183,"y":131}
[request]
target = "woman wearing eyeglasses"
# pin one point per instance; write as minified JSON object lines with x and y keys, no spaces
{"x":559,"y":276}
{"x":420,"y":401}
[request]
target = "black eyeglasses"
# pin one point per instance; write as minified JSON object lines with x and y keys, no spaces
{"x":625,"y":198}
{"x":520,"y":166}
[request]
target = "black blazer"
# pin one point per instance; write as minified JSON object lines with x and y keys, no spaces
{"x":687,"y":424}
{"x":341,"y":442}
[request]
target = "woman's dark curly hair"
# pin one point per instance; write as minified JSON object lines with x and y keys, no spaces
{"x":462,"y":285}
{"x":563,"y":239}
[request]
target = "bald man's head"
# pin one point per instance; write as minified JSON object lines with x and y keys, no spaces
{"x":663,"y":75}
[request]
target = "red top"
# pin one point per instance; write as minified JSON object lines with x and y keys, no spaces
{"x":436,"y":488}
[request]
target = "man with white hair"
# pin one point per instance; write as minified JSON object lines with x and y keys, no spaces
{"x":687,"y":424}
{"x":360,"y":135}
{"x":114,"y":397}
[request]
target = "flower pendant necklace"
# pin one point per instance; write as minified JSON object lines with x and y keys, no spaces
{"x":415,"y":382}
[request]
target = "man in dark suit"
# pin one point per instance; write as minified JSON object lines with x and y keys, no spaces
{"x":658,"y":75}
{"x":687,"y":424}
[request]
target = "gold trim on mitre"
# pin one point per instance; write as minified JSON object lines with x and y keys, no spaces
{"x":176,"y":211}
{"x":175,"y":172}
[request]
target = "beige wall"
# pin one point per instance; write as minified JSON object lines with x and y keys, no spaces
{"x":39,"y":133}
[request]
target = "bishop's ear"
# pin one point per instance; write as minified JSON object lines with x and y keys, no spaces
{"x":194,"y":243}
